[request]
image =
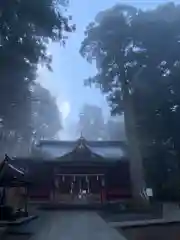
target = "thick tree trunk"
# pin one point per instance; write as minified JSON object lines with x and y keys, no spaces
{"x":136,"y":162}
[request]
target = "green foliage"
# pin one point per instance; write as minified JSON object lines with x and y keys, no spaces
{"x":137,"y":55}
{"x":124,"y":39}
{"x":94,"y":127}
{"x":27,"y":27}
{"x":91,"y":122}
{"x":46,"y":119}
{"x":115,"y":131}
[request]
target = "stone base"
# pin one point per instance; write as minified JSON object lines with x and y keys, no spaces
{"x":171,"y":210}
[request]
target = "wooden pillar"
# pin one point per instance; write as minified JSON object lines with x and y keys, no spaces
{"x":52,"y":194}
{"x":56,"y":189}
{"x":103,"y":190}
{"x":3,"y":197}
{"x":26,"y":201}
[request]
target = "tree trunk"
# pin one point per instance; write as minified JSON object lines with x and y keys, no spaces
{"x":136,"y":162}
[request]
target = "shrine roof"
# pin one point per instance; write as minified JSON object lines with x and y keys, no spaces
{"x":111,"y":150}
{"x":108,"y":152}
{"x":9,"y":174}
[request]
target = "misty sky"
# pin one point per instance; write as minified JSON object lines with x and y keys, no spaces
{"x":69,"y":68}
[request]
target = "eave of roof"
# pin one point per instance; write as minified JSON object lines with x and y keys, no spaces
{"x":9,"y":173}
{"x":111,"y":150}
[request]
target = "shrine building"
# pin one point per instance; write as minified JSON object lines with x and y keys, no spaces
{"x":69,"y":170}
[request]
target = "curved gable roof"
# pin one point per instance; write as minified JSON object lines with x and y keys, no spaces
{"x":110,"y":150}
{"x":9,"y":174}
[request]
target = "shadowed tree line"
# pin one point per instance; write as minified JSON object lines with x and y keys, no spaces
{"x":93,"y":125}
{"x":27,"y":110}
{"x":137,"y":56}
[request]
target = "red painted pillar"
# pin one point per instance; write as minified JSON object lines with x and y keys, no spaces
{"x":103,"y":195}
{"x":103,"y":191}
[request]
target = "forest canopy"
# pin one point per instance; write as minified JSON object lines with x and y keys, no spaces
{"x":27,"y":27}
{"x":137,"y":56}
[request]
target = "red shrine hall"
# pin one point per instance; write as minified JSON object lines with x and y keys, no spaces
{"x":78,"y":170}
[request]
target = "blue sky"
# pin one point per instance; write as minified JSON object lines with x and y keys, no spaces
{"x":69,"y":68}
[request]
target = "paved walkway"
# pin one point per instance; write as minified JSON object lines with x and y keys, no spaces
{"x":76,"y":225}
